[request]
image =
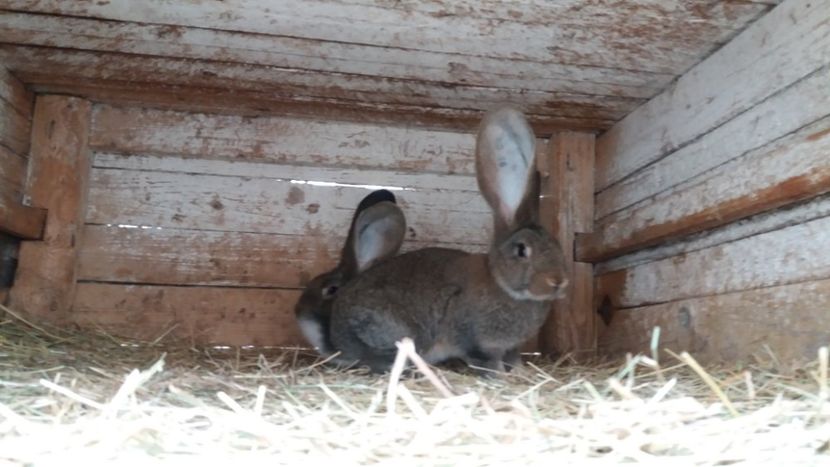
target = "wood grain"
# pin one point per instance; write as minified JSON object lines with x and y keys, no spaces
{"x":800,"y":213}
{"x":632,"y":41}
{"x":15,"y":93}
{"x":12,"y":171}
{"x":790,"y":320}
{"x":567,"y":208}
{"x":338,"y":61}
{"x":271,"y":205}
{"x":789,"y":171}
{"x":163,"y":95}
{"x":308,"y":142}
{"x":58,"y":180}
{"x":779,"y":116}
{"x":793,"y":254}
{"x":14,"y":128}
{"x":54,"y":65}
{"x":784,"y":46}
{"x":201,"y":315}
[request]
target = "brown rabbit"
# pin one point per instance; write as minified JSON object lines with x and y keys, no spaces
{"x":453,"y":304}
{"x":376,"y":232}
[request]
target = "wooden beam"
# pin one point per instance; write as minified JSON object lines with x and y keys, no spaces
{"x":221,"y":100}
{"x":779,"y":174}
{"x":793,"y":254}
{"x":201,"y":315}
{"x":18,"y":219}
{"x":567,"y":208}
{"x":784,"y":46}
{"x":58,"y":177}
{"x":790,"y":320}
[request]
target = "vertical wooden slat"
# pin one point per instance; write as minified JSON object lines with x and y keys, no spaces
{"x":58,"y":181}
{"x":567,"y":209}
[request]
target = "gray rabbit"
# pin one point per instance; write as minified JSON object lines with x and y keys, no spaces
{"x":453,"y":304}
{"x":376,"y":232}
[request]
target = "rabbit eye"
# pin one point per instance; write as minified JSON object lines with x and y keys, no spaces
{"x":522,"y":250}
{"x":330,"y":291}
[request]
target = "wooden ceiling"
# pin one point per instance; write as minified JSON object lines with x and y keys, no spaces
{"x":578,"y":64}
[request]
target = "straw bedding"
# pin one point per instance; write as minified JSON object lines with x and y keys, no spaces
{"x":72,"y":397}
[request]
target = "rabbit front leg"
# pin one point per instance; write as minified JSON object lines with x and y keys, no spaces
{"x":485,"y":362}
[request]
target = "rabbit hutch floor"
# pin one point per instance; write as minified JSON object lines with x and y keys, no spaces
{"x":68,"y":396}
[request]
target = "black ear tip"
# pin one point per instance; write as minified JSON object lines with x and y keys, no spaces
{"x":374,"y":198}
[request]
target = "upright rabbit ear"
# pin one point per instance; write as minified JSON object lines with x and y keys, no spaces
{"x":378,"y":234}
{"x":505,"y":167}
{"x":348,"y":262}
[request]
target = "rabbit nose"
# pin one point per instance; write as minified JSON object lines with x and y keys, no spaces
{"x":554,"y":282}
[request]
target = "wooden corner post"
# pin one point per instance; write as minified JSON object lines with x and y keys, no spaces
{"x":567,"y":208}
{"x":58,"y":181}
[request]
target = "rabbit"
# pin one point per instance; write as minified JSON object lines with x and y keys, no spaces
{"x":453,"y":304}
{"x":376,"y":232}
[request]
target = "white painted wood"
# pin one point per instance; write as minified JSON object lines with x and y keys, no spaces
{"x":334,"y":60}
{"x":731,"y":189}
{"x":783,"y":113}
{"x":756,"y":225}
{"x":285,"y":140}
{"x":620,"y":44}
{"x":268,"y":204}
{"x":787,"y":44}
{"x":790,"y":255}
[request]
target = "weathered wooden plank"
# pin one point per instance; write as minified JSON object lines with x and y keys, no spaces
{"x":782,"y":114}
{"x":209,"y":258}
{"x":567,"y":200}
{"x":794,"y":254}
{"x":631,"y":41}
{"x":249,"y":103}
{"x":12,"y":171}
{"x":202,"y":315}
{"x":800,"y":213}
{"x":784,"y":46}
{"x":18,"y":219}
{"x":14,"y":129}
{"x":336,"y":62}
{"x":790,"y":320}
{"x":298,"y":84}
{"x":787,"y":172}
{"x":15,"y":93}
{"x":298,"y":174}
{"x":271,"y":205}
{"x":284,"y":140}
{"x":58,"y":179}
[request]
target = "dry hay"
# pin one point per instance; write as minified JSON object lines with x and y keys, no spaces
{"x":67,"y":398}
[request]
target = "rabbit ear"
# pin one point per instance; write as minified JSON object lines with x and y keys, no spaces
{"x":505,"y":167}
{"x":348,"y":262}
{"x":378,"y":234}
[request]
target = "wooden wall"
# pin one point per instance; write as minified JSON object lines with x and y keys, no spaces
{"x":711,"y":219}
{"x":15,"y":125}
{"x":211,"y":224}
